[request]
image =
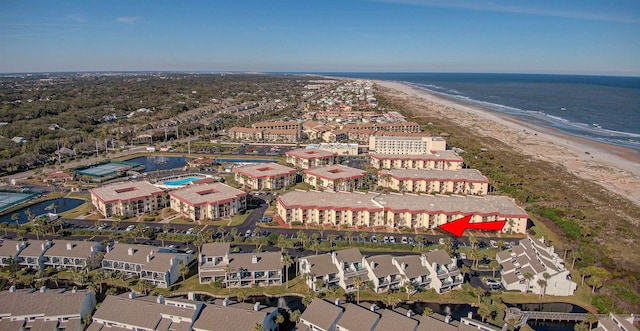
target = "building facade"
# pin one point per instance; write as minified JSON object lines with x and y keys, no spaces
{"x":335,"y":177}
{"x":126,"y":198}
{"x":208,"y":201}
{"x":397,"y":210}
{"x":310,"y":158}
{"x":462,"y":181}
{"x":443,"y":160}
{"x":409,"y":145}
{"x":265,"y":176}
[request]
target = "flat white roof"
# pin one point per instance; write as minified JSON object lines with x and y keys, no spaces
{"x":335,"y":172}
{"x":264,"y":170}
{"x":210,"y":193}
{"x":310,"y":154}
{"x":125,"y":191}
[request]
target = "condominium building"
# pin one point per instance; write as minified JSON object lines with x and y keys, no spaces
{"x":208,"y":201}
{"x":462,"y":181}
{"x":265,"y":176}
{"x":32,"y":255}
{"x":285,"y":135}
{"x":443,"y":160}
{"x":310,"y":158}
{"x":222,"y":315}
{"x":444,"y":272}
{"x":216,"y":263}
{"x":408,"y":145}
{"x":65,"y":254}
{"x":130,"y":311}
{"x":126,"y":198}
{"x":321,"y":271}
{"x":335,"y":177}
{"x":240,"y":133}
{"x":159,"y":267}
{"x":615,"y":322}
{"x":340,"y":149}
{"x":277,"y":125}
{"x":397,"y":210}
{"x":394,"y":127}
{"x":9,"y":250}
{"x":45,"y":309}
{"x":530,"y":261}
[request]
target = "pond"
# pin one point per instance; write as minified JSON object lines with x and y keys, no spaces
{"x":159,"y":162}
{"x":62,"y":204}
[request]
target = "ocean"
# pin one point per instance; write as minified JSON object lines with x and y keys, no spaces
{"x":599,"y":108}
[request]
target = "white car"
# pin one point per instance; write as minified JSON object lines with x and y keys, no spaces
{"x":493,"y":244}
{"x":130,"y":227}
{"x":492,"y":282}
{"x":463,"y":256}
{"x":392,"y":239}
{"x":189,"y":231}
{"x":404,"y":240}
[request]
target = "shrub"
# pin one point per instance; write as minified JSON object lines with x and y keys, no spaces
{"x":296,"y":223}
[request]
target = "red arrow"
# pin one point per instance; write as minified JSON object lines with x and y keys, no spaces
{"x":458,"y":226}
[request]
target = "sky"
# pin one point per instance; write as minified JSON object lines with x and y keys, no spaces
{"x":505,"y":36}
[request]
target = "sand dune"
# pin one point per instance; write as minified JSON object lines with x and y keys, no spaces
{"x":617,"y":169}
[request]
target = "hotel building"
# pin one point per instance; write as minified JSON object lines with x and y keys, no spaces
{"x":310,"y":158}
{"x":409,"y":145}
{"x":261,"y":176}
{"x":335,"y":177}
{"x":208,"y":201}
{"x":126,"y":198}
{"x":397,"y":210}
{"x":443,"y":160}
{"x":463,"y":181}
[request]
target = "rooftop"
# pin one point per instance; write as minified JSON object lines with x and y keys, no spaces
{"x":207,"y":193}
{"x":431,"y":156}
{"x":264,"y":170}
{"x":335,"y":172}
{"x":125,"y":191}
{"x":310,"y":154}
{"x":435,"y":174}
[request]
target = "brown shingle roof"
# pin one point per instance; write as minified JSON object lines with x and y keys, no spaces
{"x":394,"y":321}
{"x":322,"y":265}
{"x":350,"y":255}
{"x":358,"y":318}
{"x":383,"y":266}
{"x":322,"y":314}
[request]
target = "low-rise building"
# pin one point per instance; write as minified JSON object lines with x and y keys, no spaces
{"x":9,"y":251}
{"x":320,"y":315}
{"x":65,"y":254}
{"x":444,"y":272}
{"x":397,"y":210}
{"x":335,"y":177}
{"x":216,"y":263}
{"x":443,"y":160}
{"x":335,"y":136}
{"x":45,"y":309}
{"x":383,"y":273}
{"x":524,"y":265}
{"x":277,"y":125}
{"x":285,"y":136}
{"x":250,"y":134}
{"x":462,"y":181}
{"x":222,"y":315}
{"x":32,"y":255}
{"x":310,"y":158}
{"x":132,"y":312}
{"x":407,"y":145}
{"x":159,"y":267}
{"x":265,"y":176}
{"x":351,"y":265}
{"x":208,"y":201}
{"x":126,"y":198}
{"x":321,"y":271}
{"x":614,"y":322}
{"x":340,"y":149}
{"x":58,"y":177}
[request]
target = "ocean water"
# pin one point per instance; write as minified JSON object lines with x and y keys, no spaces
{"x":599,"y":108}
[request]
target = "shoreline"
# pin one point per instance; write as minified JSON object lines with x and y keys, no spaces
{"x":615,"y":168}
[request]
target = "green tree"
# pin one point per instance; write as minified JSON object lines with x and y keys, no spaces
{"x":528,"y":276}
{"x":484,"y":311}
{"x":349,"y":233}
{"x":330,"y":239}
{"x":306,"y":301}
{"x":286,"y":263}
{"x":582,"y":326}
{"x":591,"y":319}
{"x":294,"y":317}
{"x":281,"y":243}
{"x":358,"y":282}
{"x":242,"y":295}
{"x":228,"y":269}
{"x":15,"y":217}
{"x":494,"y":265}
{"x":184,"y":270}
{"x":427,"y":311}
{"x":543,"y":284}
{"x":258,"y":327}
{"x":465,"y":270}
{"x":391,"y":300}
{"x":315,"y":245}
{"x":279,"y":319}
{"x":477,"y":292}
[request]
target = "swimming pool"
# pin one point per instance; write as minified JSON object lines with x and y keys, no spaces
{"x":180,"y":182}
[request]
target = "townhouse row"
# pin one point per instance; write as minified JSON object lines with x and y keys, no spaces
{"x":159,"y":266}
{"x":394,"y":210}
{"x":349,"y":269}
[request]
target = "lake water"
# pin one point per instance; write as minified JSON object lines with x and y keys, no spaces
{"x":63,"y":204}
{"x":153,"y":163}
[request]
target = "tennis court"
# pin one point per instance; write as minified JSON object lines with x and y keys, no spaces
{"x":106,"y":169}
{"x":10,"y":199}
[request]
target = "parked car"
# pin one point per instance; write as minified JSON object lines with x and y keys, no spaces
{"x":392,"y":239}
{"x":189,"y":231}
{"x":492,"y":282}
{"x":385,"y":239}
{"x":247,"y":234}
{"x":130,"y":227}
{"x":404,"y":240}
{"x":493,"y":244}
{"x":463,"y":256}
{"x":411,"y":242}
{"x":374,"y":239}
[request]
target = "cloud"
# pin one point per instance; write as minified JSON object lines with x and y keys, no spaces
{"x":524,"y":8}
{"x":128,"y":19}
{"x":77,"y":18}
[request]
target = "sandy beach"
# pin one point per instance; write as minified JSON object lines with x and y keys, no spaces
{"x":616,"y":169}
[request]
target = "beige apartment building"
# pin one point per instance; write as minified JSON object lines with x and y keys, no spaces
{"x":307,"y":158}
{"x":443,"y":160}
{"x":208,"y":201}
{"x":463,"y":181}
{"x":406,"y":145}
{"x":250,"y":134}
{"x":126,"y":198}
{"x":261,"y":176}
{"x":277,"y":125}
{"x":397,"y":210}
{"x":335,"y":177}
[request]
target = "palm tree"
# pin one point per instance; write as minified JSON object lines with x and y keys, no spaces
{"x":473,"y":241}
{"x":228,"y":269}
{"x":542,"y":283}
{"x":319,"y":283}
{"x":321,"y":231}
{"x":233,"y":232}
{"x":582,"y":326}
{"x":116,"y":224}
{"x":286,"y":261}
{"x":279,"y":319}
{"x":427,"y":311}
{"x":363,"y":236}
{"x":484,"y":312}
{"x":306,"y":301}
{"x":184,"y":270}
{"x":478,"y":292}
{"x":331,"y":238}
{"x":15,"y":217}
{"x":258,"y":327}
{"x":146,"y":286}
{"x":349,"y":233}
{"x":391,"y":300}
{"x":500,"y":244}
{"x":281,"y":243}
{"x":494,"y":265}
{"x":528,"y":276}
{"x":302,"y":236}
{"x":241,"y":295}
{"x":591,"y":319}
{"x":358,"y":282}
{"x":315,"y":245}
{"x":464,"y":270}
{"x":221,"y":230}
{"x":294,"y":317}
{"x":53,"y":207}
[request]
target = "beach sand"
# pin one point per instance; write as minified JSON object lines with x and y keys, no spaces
{"x":616,"y":169}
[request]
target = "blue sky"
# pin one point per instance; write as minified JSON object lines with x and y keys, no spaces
{"x":545,"y":36}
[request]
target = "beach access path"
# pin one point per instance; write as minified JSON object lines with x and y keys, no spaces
{"x":615,"y":168}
